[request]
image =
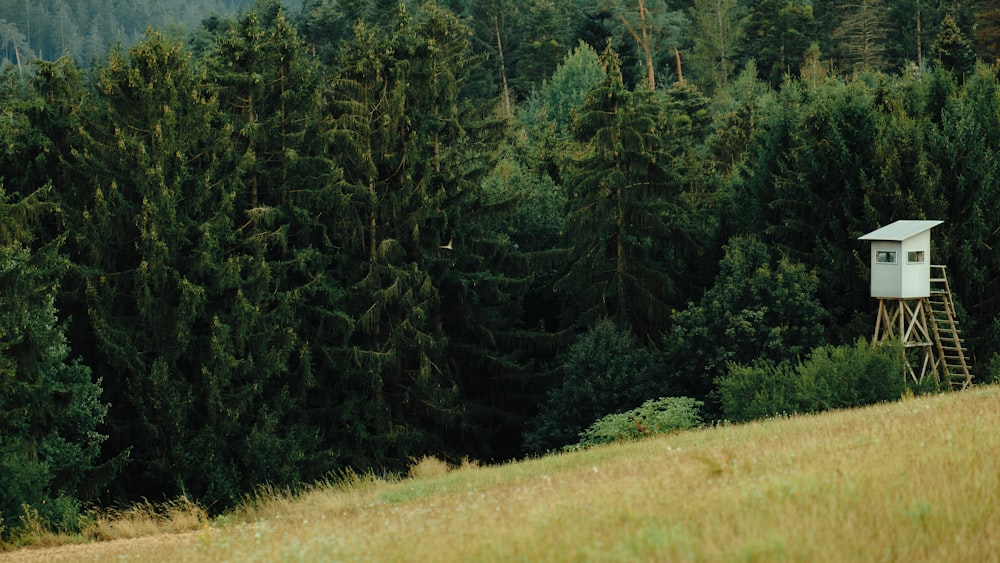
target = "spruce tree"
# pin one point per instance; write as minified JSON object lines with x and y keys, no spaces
{"x":50,"y":405}
{"x":630,"y":220}
{"x":148,"y":243}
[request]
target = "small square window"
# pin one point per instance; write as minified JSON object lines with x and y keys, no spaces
{"x":915,"y":257}
{"x":885,"y":256}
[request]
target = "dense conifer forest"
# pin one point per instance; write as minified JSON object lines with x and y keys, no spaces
{"x":246,"y":244}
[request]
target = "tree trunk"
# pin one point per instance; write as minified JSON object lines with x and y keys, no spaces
{"x":503,"y":68}
{"x":642,"y":38}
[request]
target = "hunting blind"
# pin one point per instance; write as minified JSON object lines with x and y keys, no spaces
{"x":915,"y":303}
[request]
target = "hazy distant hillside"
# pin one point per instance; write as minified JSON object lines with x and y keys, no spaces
{"x":85,"y":28}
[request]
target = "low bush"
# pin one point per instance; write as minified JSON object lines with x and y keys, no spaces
{"x":832,"y":377}
{"x":656,"y":416}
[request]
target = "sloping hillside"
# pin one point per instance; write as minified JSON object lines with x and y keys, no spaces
{"x":913,"y":480}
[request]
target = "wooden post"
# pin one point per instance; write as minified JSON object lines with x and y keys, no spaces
{"x":906,"y":319}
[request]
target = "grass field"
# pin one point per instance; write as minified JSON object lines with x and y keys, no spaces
{"x":917,"y":480}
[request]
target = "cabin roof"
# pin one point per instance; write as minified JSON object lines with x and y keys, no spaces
{"x":900,"y":230}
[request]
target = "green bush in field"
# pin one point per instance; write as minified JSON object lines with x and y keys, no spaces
{"x":656,"y":416}
{"x":748,"y":392}
{"x":832,"y":377}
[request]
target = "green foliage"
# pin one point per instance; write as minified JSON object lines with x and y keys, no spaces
{"x":716,"y":32}
{"x":759,"y":309}
{"x":607,"y":370}
{"x":635,"y":206}
{"x":991,"y":370}
{"x":832,"y":377}
{"x":777,"y":34}
{"x":952,"y":49}
{"x":655,"y":416}
{"x":564,"y":93}
{"x":85,"y":29}
{"x":50,"y":407}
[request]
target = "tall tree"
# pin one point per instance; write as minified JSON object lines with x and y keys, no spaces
{"x":966,"y":150}
{"x":492,"y":23}
{"x":50,"y":406}
{"x":814,"y":182}
{"x":862,"y":34}
{"x":716,"y":32}
{"x":148,"y":241}
{"x":409,"y":148}
{"x":289,"y":206}
{"x":988,"y":30}
{"x":951,"y":48}
{"x":546,"y":32}
{"x":627,"y":219}
{"x":777,"y":34}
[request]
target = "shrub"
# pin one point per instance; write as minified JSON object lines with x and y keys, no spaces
{"x":837,"y":377}
{"x":992,"y":374}
{"x":832,"y":377}
{"x":757,"y":391}
{"x":656,"y":416}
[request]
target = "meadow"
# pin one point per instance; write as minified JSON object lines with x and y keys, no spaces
{"x":915,"y":480}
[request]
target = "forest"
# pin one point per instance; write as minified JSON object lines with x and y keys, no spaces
{"x":266,"y":244}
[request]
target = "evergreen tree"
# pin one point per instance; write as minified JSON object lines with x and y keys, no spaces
{"x":606,"y":371}
{"x":149,"y":243}
{"x":988,"y":30}
{"x":410,"y":149}
{"x":546,"y":32}
{"x":279,"y":335}
{"x":716,"y":32}
{"x":861,"y":36}
{"x":814,"y":186}
{"x":629,"y":221}
{"x":966,"y":151}
{"x":951,"y":48}
{"x":50,"y":407}
{"x":777,"y":34}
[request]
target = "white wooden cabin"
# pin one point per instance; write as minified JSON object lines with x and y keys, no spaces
{"x":901,"y":259}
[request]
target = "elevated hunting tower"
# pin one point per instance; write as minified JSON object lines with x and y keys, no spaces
{"x":915,"y":303}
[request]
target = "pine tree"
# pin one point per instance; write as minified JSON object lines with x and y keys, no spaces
{"x":951,"y":48}
{"x":716,"y":32}
{"x":862,"y":35}
{"x":404,"y":140}
{"x":50,"y":406}
{"x":777,"y":34}
{"x":153,"y":218}
{"x":988,"y":30}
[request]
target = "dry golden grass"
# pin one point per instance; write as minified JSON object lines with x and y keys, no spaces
{"x":146,"y":519}
{"x":917,"y":480}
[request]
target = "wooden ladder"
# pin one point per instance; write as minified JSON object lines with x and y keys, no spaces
{"x":944,"y":327}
